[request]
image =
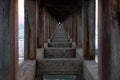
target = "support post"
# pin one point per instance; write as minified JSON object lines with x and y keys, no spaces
{"x":8,"y":39}
{"x":89,"y":29}
{"x":79,"y":24}
{"x":30,"y":30}
{"x":40,"y":26}
{"x":109,"y":39}
{"x":74,"y":27}
{"x":47,"y":26}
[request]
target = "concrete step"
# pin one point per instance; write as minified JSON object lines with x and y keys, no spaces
{"x":60,"y":53}
{"x":59,"y":66}
{"x":60,"y":44}
{"x":60,"y":57}
{"x":59,"y":36}
{"x":60,"y":40}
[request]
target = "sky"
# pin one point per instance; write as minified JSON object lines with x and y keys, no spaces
{"x":96,"y":24}
{"x":21,"y":11}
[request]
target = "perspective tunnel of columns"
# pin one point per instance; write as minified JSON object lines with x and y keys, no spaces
{"x":44,"y":20}
{"x":44,"y":17}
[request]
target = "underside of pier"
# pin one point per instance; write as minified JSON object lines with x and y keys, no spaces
{"x":60,"y":39}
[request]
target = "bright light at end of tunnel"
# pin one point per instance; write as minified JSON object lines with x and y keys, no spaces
{"x":59,"y":23}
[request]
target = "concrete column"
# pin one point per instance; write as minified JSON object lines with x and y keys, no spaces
{"x":79,"y":25}
{"x":8,"y":39}
{"x":74,"y":27}
{"x":50,"y":27}
{"x":91,"y":27}
{"x":30,"y":30}
{"x":74,"y":32}
{"x":40,"y":26}
{"x":66,"y":25}
{"x":71,"y":26}
{"x":76,"y":24}
{"x":88,"y":30}
{"x":37,"y":29}
{"x":47,"y":25}
{"x":115,"y":39}
{"x":54,"y":25}
{"x":44,"y":24}
{"x":109,"y":39}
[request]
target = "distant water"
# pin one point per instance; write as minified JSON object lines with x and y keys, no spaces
{"x":21,"y":44}
{"x":96,"y":58}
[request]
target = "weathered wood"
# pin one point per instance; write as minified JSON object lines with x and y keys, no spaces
{"x":37,"y":28}
{"x":46,"y":26}
{"x":50,"y":27}
{"x":109,"y":40}
{"x":91,"y":25}
{"x":89,"y":29}
{"x":71,"y":26}
{"x":74,"y":26}
{"x":76,"y":31}
{"x":40,"y":27}
{"x":115,"y":38}
{"x":8,"y":39}
{"x":79,"y":24}
{"x":85,"y":29}
{"x":105,"y":41}
{"x":30,"y":29}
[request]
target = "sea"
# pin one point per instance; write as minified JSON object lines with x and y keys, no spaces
{"x":21,"y":42}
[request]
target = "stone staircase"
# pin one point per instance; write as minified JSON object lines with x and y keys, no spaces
{"x":59,"y":57}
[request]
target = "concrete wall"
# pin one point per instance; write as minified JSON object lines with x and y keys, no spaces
{"x":90,"y":70}
{"x":27,"y":70}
